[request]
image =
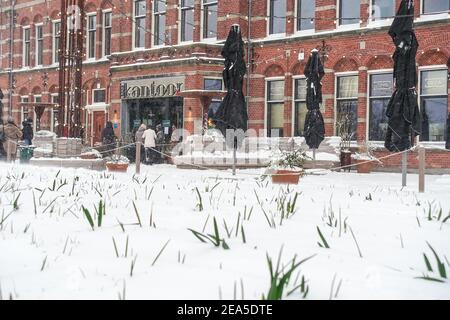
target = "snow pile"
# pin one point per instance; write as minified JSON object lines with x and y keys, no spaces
{"x":365,"y":234}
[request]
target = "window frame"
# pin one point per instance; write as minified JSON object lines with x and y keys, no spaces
{"x":88,"y":36}
{"x":297,"y":20}
{"x":338,"y":75}
{"x":93,"y":97}
{"x":203,"y":20}
{"x":39,"y":45}
{"x":339,"y":24}
{"x":269,"y":18}
{"x":422,"y":10}
{"x":26,"y":44}
{"x":294,"y":103}
{"x":181,"y":25}
{"x":370,"y":73}
{"x":419,"y":93}
{"x":156,"y":15}
{"x":380,"y":21}
{"x":134,"y":23}
{"x":22,"y":113}
{"x":222,"y":87}
{"x":55,"y":50}
{"x":268,"y":102}
{"x":104,"y":28}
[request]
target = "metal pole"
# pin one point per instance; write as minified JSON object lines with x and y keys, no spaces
{"x":8,"y":150}
{"x":404,"y":168}
{"x":234,"y":155}
{"x":421,"y":169}
{"x":314,"y":158}
{"x":138,"y":157}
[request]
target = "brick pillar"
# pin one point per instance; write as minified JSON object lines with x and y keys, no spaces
{"x":364,"y":14}
{"x":328,"y":95}
{"x":325,"y":9}
{"x":197,"y":20}
{"x":290,"y":17}
{"x":172,"y":15}
{"x":362,"y":104}
{"x":229,"y":13}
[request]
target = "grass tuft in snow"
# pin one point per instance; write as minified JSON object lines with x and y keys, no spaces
{"x":441,"y":269}
{"x":199,"y":205}
{"x":280,"y":277}
{"x":160,"y":252}
{"x":323,"y":242}
{"x":215,"y":238}
{"x":137,"y":214}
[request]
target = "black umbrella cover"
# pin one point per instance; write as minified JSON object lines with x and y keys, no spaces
{"x":314,"y":124}
{"x":232,"y":113}
{"x":403,"y":109}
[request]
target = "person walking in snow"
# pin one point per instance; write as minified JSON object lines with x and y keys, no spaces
{"x":150,"y":145}
{"x":160,"y":142}
{"x":27,"y":131}
{"x":108,"y":138}
{"x":12,"y":135}
{"x":139,"y":137}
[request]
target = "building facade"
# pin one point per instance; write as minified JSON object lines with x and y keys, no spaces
{"x":139,"y":54}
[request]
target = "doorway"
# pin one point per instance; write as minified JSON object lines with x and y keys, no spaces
{"x":99,"y":120}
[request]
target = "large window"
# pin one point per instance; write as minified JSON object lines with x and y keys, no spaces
{"x":187,"y":20}
{"x":306,"y":14}
{"x":275,"y":108}
{"x":300,"y":106}
{"x":92,"y":35}
{"x":210,"y":19}
{"x":39,"y":45}
{"x":435,"y":6}
{"x":216,"y":85}
{"x":381,"y":89}
{"x":347,"y":105}
{"x":159,"y":22}
{"x":25,"y":109}
{"x":107,"y":32}
{"x":56,"y":40}
{"x":277,"y":16}
{"x":140,"y":8}
{"x":349,"y":12}
{"x":26,"y":46}
{"x":382,"y":9}
{"x":433,"y":104}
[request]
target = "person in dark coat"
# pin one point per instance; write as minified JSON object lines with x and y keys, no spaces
{"x":27,"y":131}
{"x":12,"y":136}
{"x":108,"y":138}
{"x":160,"y":141}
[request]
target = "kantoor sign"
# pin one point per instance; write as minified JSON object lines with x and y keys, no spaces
{"x":149,"y":88}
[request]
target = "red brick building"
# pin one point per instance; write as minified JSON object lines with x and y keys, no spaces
{"x":139,"y":53}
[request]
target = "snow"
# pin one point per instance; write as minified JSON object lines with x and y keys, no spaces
{"x":389,"y":223}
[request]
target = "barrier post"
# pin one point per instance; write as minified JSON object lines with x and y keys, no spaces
{"x":138,"y":157}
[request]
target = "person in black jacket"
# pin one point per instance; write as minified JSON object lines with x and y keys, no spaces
{"x":27,"y":131}
{"x":108,"y":138}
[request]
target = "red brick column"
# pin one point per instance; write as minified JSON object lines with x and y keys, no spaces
{"x":325,"y":9}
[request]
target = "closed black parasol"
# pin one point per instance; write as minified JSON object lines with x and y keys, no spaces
{"x":314,"y":124}
{"x":403,"y":110}
{"x":232,"y":113}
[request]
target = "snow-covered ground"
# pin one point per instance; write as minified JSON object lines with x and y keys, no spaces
{"x":48,"y":249}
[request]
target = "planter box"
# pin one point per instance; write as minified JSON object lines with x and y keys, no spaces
{"x":117,"y":167}
{"x":364,"y":167}
{"x":286,"y":177}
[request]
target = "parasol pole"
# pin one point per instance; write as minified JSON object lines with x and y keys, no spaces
{"x":404,"y":168}
{"x":234,"y":154}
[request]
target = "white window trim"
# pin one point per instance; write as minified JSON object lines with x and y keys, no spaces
{"x":430,"y":16}
{"x":23,"y":46}
{"x":202,"y":27}
{"x":36,"y":54}
{"x":370,"y":73}
{"x":302,"y":32}
{"x":88,"y":15}
{"x":419,"y":96}
{"x":93,"y":95}
{"x":133,"y":44}
{"x":21,"y":108}
{"x":382,"y":21}
{"x":52,"y":122}
{"x":179,"y":26}
{"x":266,"y":102}
{"x":34,"y":110}
{"x":104,"y":12}
{"x":274,"y":35}
{"x":154,"y":24}
{"x":54,"y":22}
{"x":345,"y":27}
{"x":294,"y":78}
{"x":336,"y":76}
